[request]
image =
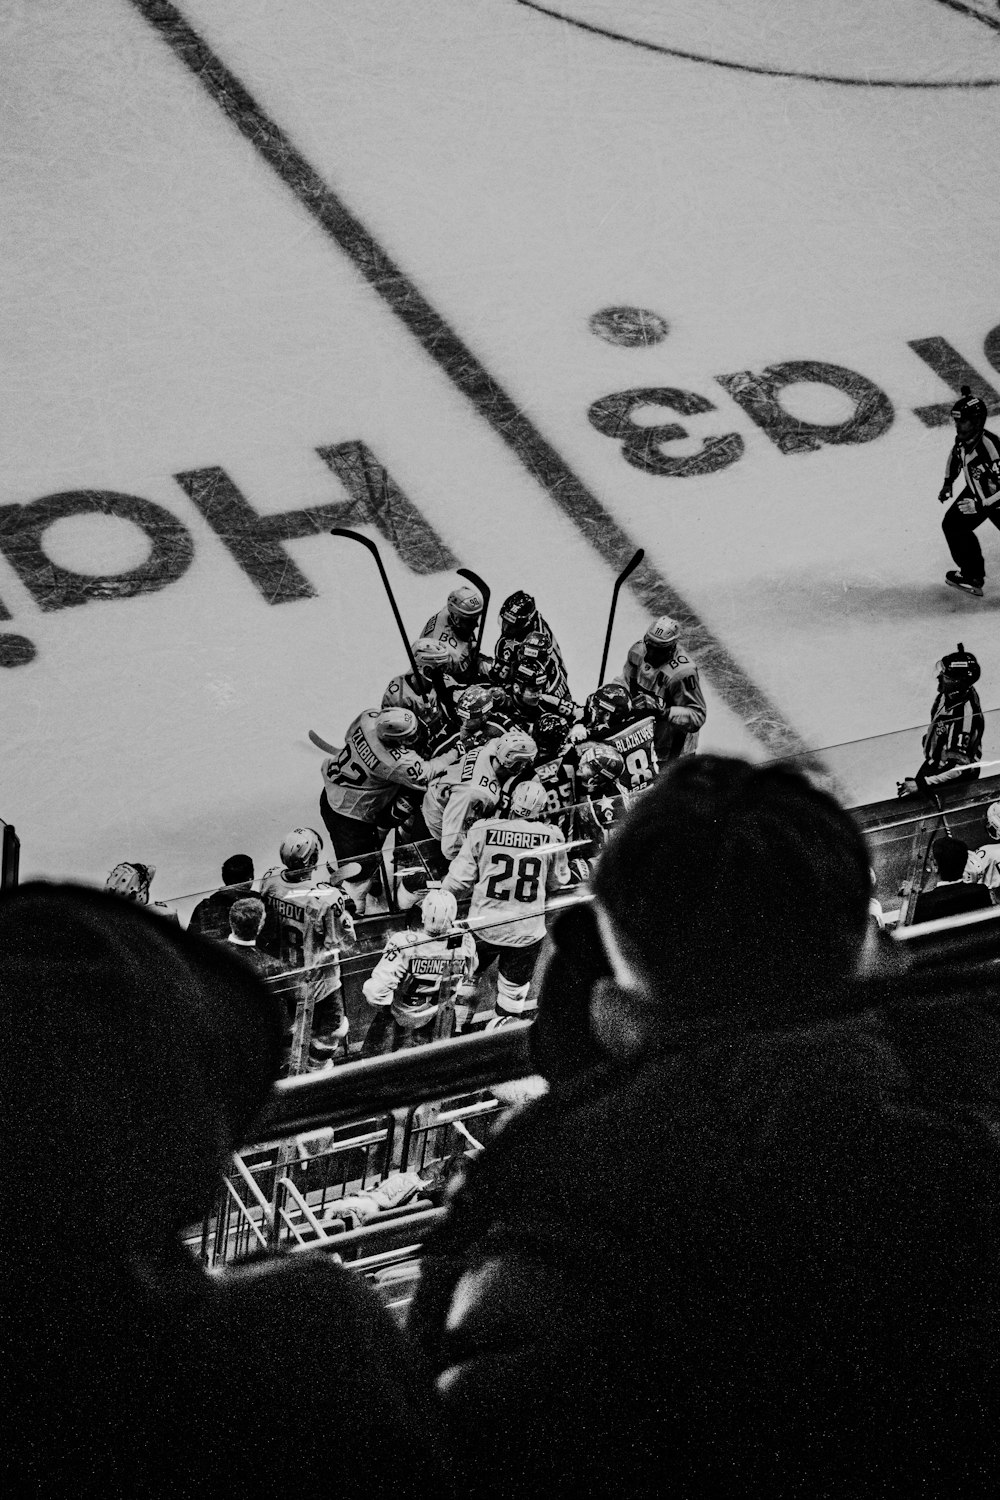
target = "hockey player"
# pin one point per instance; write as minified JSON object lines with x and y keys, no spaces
{"x":953,"y":740}
{"x":483,"y":712}
{"x":132,"y":881}
{"x":415,"y":984}
{"x":456,"y":625}
{"x":510,"y":864}
{"x":663,"y":681}
{"x":610,"y":718}
{"x":556,"y":766}
{"x":983,"y":864}
{"x":519,"y":618}
{"x":975,"y":456}
{"x":312,"y":924}
{"x":533,"y":693}
{"x":472,"y":787}
{"x":429,"y":694}
{"x":377,"y":765}
{"x":602,"y":780}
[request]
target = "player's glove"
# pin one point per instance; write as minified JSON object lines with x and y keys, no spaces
{"x":943,"y":496}
{"x":579,"y":870}
{"x":684,"y":718}
{"x":968,"y":505}
{"x":907,"y":788}
{"x":578,"y":734}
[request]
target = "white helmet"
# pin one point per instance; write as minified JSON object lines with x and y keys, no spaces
{"x":466,"y":601}
{"x":300,"y":849}
{"x":397,"y":726}
{"x":529,"y":799}
{"x":438,"y":911}
{"x":663,"y":632}
{"x":131,"y":881}
{"x":431,"y":653}
{"x":993,"y":819}
{"x":515,"y":748}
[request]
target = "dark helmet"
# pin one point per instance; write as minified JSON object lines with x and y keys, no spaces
{"x":549,"y":734}
{"x":969,"y":415}
{"x":960,"y":668}
{"x":517,"y":615}
{"x":600,"y":765}
{"x":528,"y":682}
{"x":608,"y":709}
{"x":478,"y":701}
{"x":535,"y":647}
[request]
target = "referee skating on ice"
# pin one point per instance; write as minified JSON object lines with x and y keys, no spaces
{"x":975,"y":458}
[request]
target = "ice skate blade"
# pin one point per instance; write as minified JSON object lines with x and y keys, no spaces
{"x":963,"y":587}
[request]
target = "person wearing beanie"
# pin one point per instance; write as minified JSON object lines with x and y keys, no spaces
{"x":747,"y":1242}
{"x":210,"y":917}
{"x":134,"y":1059}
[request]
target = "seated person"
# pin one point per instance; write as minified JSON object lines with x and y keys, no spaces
{"x":210,"y":917}
{"x":747,"y":1245}
{"x":952,"y":894}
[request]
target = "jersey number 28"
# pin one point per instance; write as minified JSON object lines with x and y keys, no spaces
{"x":514,"y":879}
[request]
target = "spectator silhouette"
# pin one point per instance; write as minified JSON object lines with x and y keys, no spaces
{"x":210,"y":917}
{"x":133,"y":1058}
{"x":746,"y":1245}
{"x":951,"y":896}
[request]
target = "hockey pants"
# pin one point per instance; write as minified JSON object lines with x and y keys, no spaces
{"x":963,"y":544}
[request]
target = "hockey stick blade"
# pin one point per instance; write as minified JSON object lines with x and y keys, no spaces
{"x":322,"y":744}
{"x":625,"y":573}
{"x":484,"y":589}
{"x":355,"y":536}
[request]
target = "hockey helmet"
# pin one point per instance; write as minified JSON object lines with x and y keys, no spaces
{"x":608,"y":709}
{"x":438,"y":911}
{"x":960,"y":668}
{"x":517,"y":615}
{"x":549,"y":735}
{"x":529,"y":799}
{"x":536,"y":648}
{"x":397,"y":726}
{"x":477,"y":701}
{"x":993,"y":820}
{"x":300,"y":849}
{"x":131,"y":881}
{"x":430,"y":654}
{"x":528,"y":682}
{"x":515,"y":748}
{"x":662,"y":633}
{"x":969,"y":415}
{"x":600,"y":763}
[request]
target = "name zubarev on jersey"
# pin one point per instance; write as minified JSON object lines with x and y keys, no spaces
{"x":514,"y":838}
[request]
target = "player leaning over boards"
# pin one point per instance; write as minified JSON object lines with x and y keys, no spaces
{"x":975,"y":457}
{"x":379,"y":763}
{"x":417,"y":979}
{"x":510,"y":864}
{"x":953,"y":740}
{"x":663,"y":681}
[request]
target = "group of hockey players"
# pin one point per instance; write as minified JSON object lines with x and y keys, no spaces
{"x":498,"y":789}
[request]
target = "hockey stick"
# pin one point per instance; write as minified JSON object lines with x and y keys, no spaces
{"x":626,"y":572}
{"x":485,"y":591}
{"x":356,"y":536}
{"x":322,"y":744}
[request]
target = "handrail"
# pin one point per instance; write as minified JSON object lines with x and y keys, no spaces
{"x":377,"y":1085}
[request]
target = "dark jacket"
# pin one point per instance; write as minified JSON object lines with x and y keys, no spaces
{"x":758,"y":1264}
{"x":133,"y":1057}
{"x":950,"y":900}
{"x":210,"y":917}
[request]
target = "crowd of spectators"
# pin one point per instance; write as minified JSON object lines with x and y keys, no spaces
{"x":747,"y":1243}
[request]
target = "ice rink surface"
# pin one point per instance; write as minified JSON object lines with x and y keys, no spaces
{"x":267,"y":256}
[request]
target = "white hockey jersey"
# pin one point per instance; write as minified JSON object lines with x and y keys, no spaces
{"x":313,"y":925}
{"x":983,"y":867}
{"x":510,"y":865}
{"x":467,"y":790}
{"x":440,"y":628}
{"x":417,"y":972}
{"x":362,"y":780}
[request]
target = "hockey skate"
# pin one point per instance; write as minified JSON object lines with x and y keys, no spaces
{"x":959,"y":581}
